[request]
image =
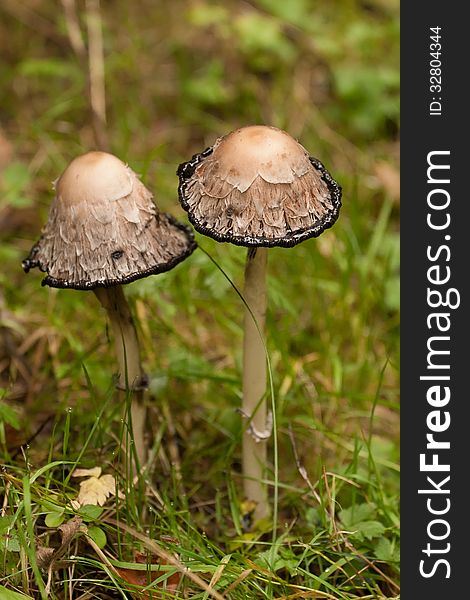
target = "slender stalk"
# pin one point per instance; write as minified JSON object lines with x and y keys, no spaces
{"x":254,"y":383}
{"x":128,"y":354}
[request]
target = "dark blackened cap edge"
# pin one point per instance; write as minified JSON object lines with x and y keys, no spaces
{"x":30,"y":263}
{"x":186,"y":170}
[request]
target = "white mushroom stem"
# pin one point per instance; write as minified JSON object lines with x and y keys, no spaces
{"x":127,"y":346}
{"x":254,"y":383}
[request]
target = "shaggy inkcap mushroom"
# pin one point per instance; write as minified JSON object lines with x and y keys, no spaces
{"x":257,"y":187}
{"x":104,"y":228}
{"x":103,"y":231}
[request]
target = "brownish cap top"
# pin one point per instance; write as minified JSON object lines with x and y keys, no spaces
{"x":258,"y":186}
{"x":96,"y":177}
{"x":104,"y":228}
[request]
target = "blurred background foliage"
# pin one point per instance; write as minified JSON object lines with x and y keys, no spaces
{"x":178,"y":75}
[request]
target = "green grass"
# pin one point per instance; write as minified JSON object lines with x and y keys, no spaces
{"x":177,"y":76}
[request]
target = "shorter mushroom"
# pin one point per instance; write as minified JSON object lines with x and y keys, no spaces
{"x":257,"y":187}
{"x":104,"y":230}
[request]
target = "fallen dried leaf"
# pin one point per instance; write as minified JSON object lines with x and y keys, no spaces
{"x":167,"y":558}
{"x":69,"y":529}
{"x":141,"y":578}
{"x":46,"y":557}
{"x":94,"y":472}
{"x":96,"y":490}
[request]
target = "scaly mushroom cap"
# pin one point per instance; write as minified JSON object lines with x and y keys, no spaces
{"x":104,"y":228}
{"x":257,"y":186}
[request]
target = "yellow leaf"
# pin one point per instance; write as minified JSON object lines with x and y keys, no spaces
{"x":96,"y":490}
{"x":95,"y":472}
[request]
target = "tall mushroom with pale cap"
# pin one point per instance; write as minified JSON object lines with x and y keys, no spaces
{"x":257,"y":187}
{"x":104,"y":230}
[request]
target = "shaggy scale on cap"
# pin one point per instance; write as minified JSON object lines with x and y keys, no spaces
{"x":258,"y":186}
{"x":104,"y":228}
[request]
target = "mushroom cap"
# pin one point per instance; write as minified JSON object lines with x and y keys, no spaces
{"x":94,"y":176}
{"x":257,"y":186}
{"x":104,"y":228}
